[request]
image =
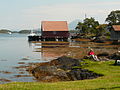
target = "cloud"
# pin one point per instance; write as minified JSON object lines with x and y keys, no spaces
{"x":69,"y":12}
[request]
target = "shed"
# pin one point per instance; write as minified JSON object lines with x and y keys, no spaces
{"x":115,"y":32}
{"x":54,"y":29}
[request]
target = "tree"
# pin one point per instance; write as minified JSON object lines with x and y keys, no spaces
{"x":81,"y":27}
{"x":114,"y":17}
{"x":88,"y":26}
{"x":4,"y":31}
{"x":25,"y":31}
{"x":101,"y":29}
{"x":91,"y":25}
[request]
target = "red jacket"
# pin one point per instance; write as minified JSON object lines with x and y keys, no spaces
{"x":91,"y":53}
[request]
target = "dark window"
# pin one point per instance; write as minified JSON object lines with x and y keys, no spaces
{"x":54,"y":32}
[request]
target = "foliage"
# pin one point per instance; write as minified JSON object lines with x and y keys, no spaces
{"x":14,"y":31}
{"x":114,"y":17}
{"x":80,"y":27}
{"x":25,"y":31}
{"x":4,"y":31}
{"x":91,"y":26}
{"x":101,"y":29}
{"x":73,"y":31}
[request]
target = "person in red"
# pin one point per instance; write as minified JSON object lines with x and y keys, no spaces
{"x":92,"y":54}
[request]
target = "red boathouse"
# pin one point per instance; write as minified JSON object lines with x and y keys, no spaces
{"x":54,"y":30}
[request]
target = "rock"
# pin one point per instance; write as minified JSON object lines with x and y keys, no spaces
{"x":104,"y":59}
{"x":67,"y":63}
{"x":4,"y":80}
{"x":103,"y":54}
{"x":115,"y":56}
{"x":61,"y":69}
{"x":81,"y":74}
{"x":42,"y":72}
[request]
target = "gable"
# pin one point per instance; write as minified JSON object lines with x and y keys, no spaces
{"x":116,"y":27}
{"x":54,"y":26}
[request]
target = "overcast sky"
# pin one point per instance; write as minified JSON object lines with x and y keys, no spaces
{"x":27,"y":14}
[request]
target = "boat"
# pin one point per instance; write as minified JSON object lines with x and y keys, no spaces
{"x":31,"y":36}
{"x":32,"y":33}
{"x":9,"y":32}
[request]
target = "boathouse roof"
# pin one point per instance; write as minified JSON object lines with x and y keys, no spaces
{"x":116,"y":27}
{"x":54,"y":26}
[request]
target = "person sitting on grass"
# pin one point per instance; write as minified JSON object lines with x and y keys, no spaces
{"x":92,"y":54}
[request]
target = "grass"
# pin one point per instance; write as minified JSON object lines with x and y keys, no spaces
{"x":110,"y":80}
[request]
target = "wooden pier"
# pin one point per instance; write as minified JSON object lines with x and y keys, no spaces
{"x":41,"y":38}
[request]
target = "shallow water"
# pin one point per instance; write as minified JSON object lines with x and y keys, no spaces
{"x":16,"y":52}
{"x":15,"y":49}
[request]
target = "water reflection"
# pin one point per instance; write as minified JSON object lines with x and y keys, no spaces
{"x":45,"y":49}
{"x":47,"y":52}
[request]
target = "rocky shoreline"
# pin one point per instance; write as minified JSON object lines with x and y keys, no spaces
{"x":62,"y":69}
{"x":66,"y":68}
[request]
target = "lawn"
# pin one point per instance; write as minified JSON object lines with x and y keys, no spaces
{"x":110,"y":80}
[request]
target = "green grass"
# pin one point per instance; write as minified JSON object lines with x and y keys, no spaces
{"x":110,"y":80}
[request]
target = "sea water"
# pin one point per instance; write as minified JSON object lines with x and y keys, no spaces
{"x":15,"y":48}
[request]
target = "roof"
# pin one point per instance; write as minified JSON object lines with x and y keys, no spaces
{"x":54,"y":26}
{"x":116,"y":27}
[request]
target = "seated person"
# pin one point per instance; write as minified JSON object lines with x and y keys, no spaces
{"x":92,"y":54}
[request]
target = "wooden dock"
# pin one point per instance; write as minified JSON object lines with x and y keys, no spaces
{"x":41,"y":38}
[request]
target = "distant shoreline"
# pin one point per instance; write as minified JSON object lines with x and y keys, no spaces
{"x":5,"y":31}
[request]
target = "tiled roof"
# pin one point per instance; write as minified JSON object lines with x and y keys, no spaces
{"x":54,"y":26}
{"x":116,"y":27}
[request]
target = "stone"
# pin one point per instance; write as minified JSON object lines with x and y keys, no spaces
{"x":62,"y":69}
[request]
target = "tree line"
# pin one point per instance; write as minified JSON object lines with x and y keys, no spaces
{"x":21,"y":31}
{"x":93,"y":27}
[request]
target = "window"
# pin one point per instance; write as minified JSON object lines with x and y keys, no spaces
{"x":54,"y":32}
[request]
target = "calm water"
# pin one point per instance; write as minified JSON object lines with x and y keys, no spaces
{"x":13,"y":49}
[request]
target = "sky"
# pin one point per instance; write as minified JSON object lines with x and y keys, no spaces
{"x":28,"y":14}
